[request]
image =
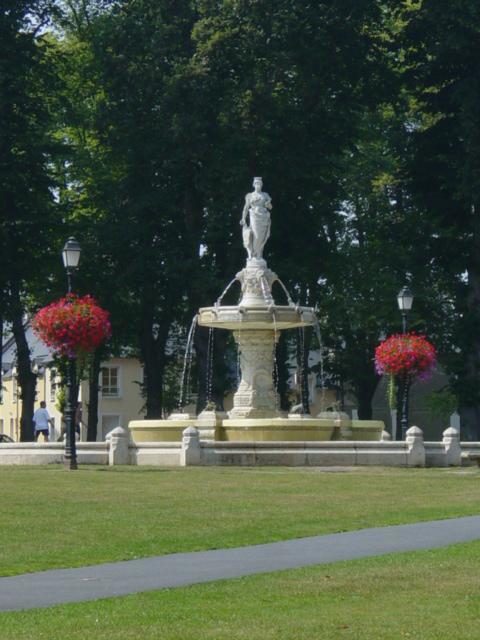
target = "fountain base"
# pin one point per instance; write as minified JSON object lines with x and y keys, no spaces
{"x":216,"y":427}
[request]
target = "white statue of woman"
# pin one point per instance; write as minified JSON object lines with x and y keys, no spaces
{"x":257,"y":206}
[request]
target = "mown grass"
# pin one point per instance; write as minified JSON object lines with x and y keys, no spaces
{"x":53,"y":518}
{"x":427,"y":595}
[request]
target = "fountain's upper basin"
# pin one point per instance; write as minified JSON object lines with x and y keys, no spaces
{"x":237,"y":318}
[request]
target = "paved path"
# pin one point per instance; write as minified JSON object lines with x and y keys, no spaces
{"x":120,"y":578}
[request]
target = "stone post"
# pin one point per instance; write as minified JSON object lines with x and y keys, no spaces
{"x":191,"y":453}
{"x":118,"y":440}
{"x":385,"y":437}
{"x":453,"y":449}
{"x":208,"y":424}
{"x":344,"y":426}
{"x":415,"y":447}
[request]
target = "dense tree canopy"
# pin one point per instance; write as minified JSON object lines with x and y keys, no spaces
{"x":138,"y":126}
{"x":28,"y":220}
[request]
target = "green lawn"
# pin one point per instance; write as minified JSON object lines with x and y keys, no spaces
{"x":53,"y":518}
{"x":427,"y":595}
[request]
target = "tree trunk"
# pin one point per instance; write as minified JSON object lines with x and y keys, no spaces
{"x":153,"y":384}
{"x":93,"y":389}
{"x":366,"y":386}
{"x":470,"y":422}
{"x":26,"y":378}
{"x":469,"y":384}
{"x":1,"y":355}
{"x":399,"y":406}
{"x":153,"y":340}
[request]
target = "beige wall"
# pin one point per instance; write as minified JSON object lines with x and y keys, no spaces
{"x":113,"y":411}
{"x":11,"y":408}
{"x":128,"y":405}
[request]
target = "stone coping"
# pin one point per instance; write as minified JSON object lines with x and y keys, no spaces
{"x":240,"y":317}
{"x":155,"y":445}
{"x":303,"y":444}
{"x":164,"y":423}
{"x":365,"y":424}
{"x":52,"y":446}
{"x":278,"y":423}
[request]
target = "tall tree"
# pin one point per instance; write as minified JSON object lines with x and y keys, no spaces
{"x":26,"y":148}
{"x":125,"y":184}
{"x":442,"y":42}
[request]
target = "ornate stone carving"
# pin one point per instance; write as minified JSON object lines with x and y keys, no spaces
{"x":256,"y":281}
{"x":257,"y":207}
{"x":256,"y":395}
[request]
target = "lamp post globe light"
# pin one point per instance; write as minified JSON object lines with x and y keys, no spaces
{"x":405,"y":303}
{"x":71,"y":258}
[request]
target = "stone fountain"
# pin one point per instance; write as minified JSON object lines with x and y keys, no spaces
{"x":256,"y":322}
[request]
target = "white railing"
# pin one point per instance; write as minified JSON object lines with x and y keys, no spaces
{"x":119,"y":449}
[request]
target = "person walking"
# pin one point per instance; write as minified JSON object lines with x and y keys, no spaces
{"x":41,"y":420}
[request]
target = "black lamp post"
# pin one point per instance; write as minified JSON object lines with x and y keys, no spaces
{"x":405,"y":302}
{"x":71,"y":257}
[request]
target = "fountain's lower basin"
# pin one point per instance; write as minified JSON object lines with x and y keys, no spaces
{"x":253,"y":317}
{"x":279,"y":429}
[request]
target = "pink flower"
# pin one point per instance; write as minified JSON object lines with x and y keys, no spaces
{"x":72,"y":325}
{"x":405,"y":354}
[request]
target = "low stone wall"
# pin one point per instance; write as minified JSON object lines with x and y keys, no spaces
{"x":155,"y":453}
{"x":25,"y":453}
{"x":467,"y":449}
{"x":118,"y":449}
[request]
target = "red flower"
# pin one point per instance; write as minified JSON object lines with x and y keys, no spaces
{"x":405,"y":354}
{"x":72,"y":325}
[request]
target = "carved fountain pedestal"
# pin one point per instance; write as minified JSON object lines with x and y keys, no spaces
{"x":256,"y":323}
{"x":256,"y":396}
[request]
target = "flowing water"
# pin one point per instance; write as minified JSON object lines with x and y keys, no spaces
{"x":267,"y":296}
{"x":210,"y":364}
{"x":301,"y":367}
{"x":275,"y":363}
{"x":239,"y":374}
{"x":318,"y":333}
{"x":224,"y":292}
{"x":289,"y":299}
{"x":187,"y":366}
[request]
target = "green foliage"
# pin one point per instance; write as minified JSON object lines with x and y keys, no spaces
{"x":61,"y":399}
{"x":441,"y":40}
{"x":137,"y":126}
{"x":442,"y":404}
{"x":392,"y":391}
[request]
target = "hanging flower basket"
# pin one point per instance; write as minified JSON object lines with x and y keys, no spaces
{"x":72,"y":326}
{"x":405,"y":354}
{"x":404,"y":357}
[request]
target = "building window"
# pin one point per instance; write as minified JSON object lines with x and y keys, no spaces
{"x":110,"y":386}
{"x":1,"y":425}
{"x":53,"y":385}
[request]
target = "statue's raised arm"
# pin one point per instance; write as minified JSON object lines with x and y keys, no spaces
{"x":257,"y":206}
